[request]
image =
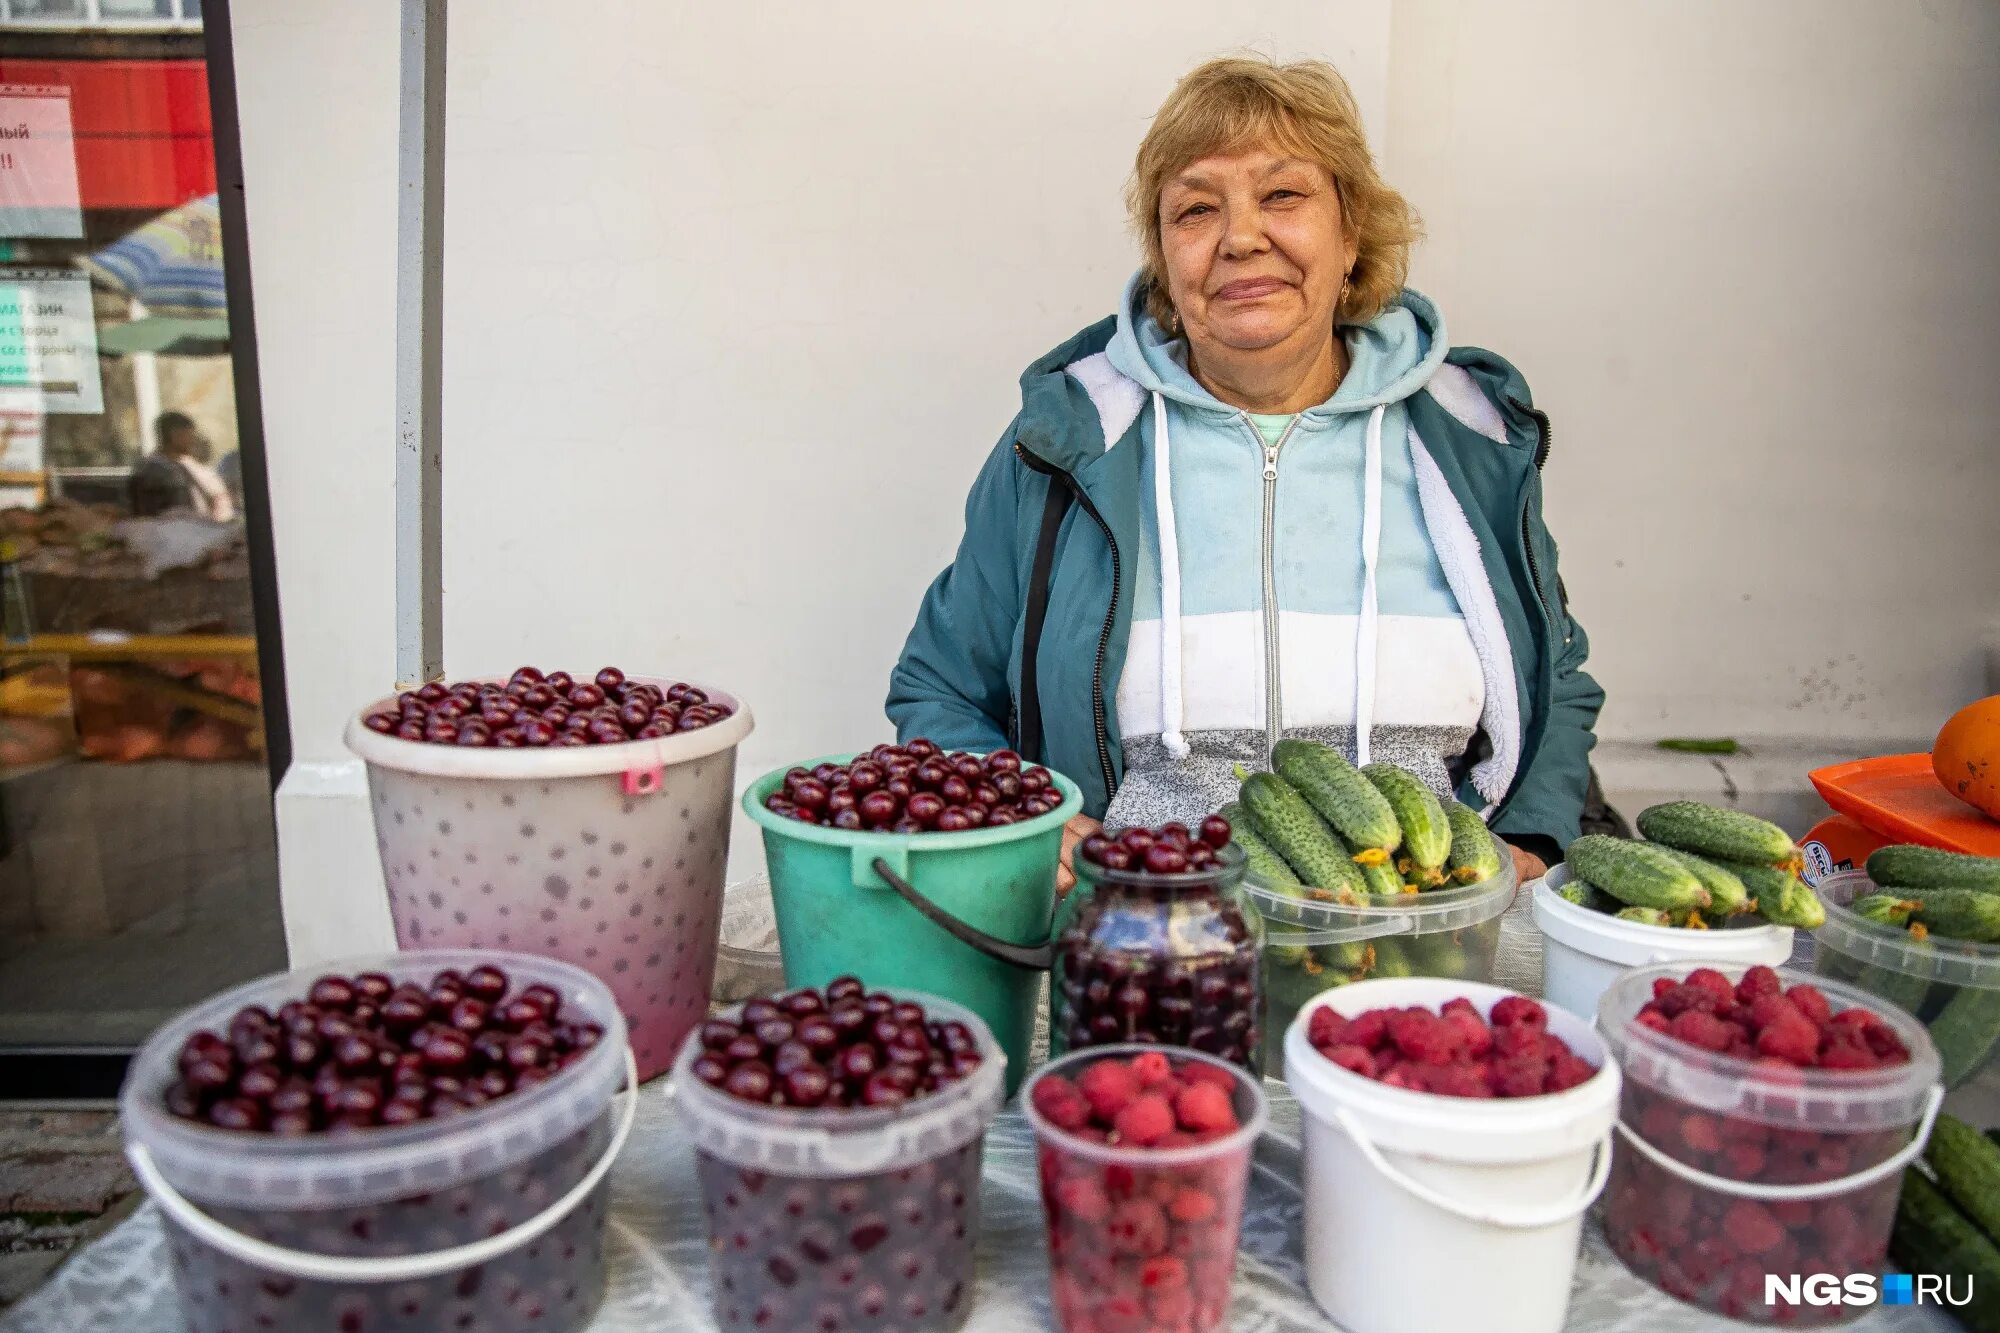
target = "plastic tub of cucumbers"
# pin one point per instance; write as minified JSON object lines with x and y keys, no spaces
{"x":1362,"y":872}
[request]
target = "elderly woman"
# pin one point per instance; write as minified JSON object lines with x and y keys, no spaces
{"x":1266,"y":499}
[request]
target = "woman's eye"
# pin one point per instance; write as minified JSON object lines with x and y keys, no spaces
{"x":1284,"y":194}
{"x":1194,"y":211}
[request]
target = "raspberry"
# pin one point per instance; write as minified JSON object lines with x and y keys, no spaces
{"x":1423,"y":1037}
{"x":1108,"y":1085}
{"x":1651,"y":1017}
{"x":1520,"y":1075}
{"x":1458,"y":1004}
{"x":1082,"y":1198}
{"x":1768,"y":1009}
{"x":1204,"y":1107}
{"x":1790,"y":1038}
{"x":1567,"y":1070}
{"x":1144,"y":1120}
{"x":1751,"y":1228}
{"x":1853,"y":1023}
{"x":1163,"y":1272}
{"x":1200,"y":1071}
{"x":1712,"y":981}
{"x":1745,"y":1160}
{"x":1839,"y":1054}
{"x":1759,"y":980}
{"x":1177,"y":1138}
{"x":1192,"y":1205}
{"x":1370,"y":1029}
{"x":1701,"y":1133}
{"x":1882,"y":1040}
{"x":1408,"y":1076}
{"x":1151,"y":1068}
{"x":1324,"y":1026}
{"x":1705,"y":1030}
{"x":1172,"y":1307}
{"x":1519,"y":1009}
{"x":1810,"y":1002}
{"x":1137,"y":1226}
{"x":1475,"y":1038}
{"x":1518,"y":1039}
{"x":1058,"y":1102}
{"x":1459,"y":1079}
{"x":1676,"y":998}
{"x":1358,"y":1059}
{"x":1662,"y":985}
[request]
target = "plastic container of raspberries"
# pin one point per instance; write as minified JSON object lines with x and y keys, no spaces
{"x":962,"y":914}
{"x":1486,"y":1189}
{"x":1144,"y":1161}
{"x":1162,"y":958}
{"x":857,"y":1217}
{"x":606,"y":855}
{"x":490,"y":1219}
{"x":1584,"y":951}
{"x":1736,"y":1163}
{"x":1317,"y":942}
{"x":1952,"y":986}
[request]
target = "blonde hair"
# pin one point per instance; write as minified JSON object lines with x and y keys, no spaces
{"x":1303,"y":109}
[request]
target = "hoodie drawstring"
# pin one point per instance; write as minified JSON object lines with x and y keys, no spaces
{"x":1371,"y":551}
{"x":1172,"y":708}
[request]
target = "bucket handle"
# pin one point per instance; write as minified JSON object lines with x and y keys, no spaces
{"x":1028,"y":957}
{"x":1818,"y":1189}
{"x":388,"y":1268}
{"x":1525,"y":1220}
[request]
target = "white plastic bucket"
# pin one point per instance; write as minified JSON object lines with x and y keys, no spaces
{"x":1584,"y":951}
{"x":610,"y":857}
{"x":817,"y":1210}
{"x":406,"y":1228}
{"x":1432,"y":1212}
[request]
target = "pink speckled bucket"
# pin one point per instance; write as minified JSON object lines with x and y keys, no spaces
{"x":610,"y":857}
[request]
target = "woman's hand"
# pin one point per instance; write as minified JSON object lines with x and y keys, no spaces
{"x":1527,"y":865}
{"x":1074,"y":832}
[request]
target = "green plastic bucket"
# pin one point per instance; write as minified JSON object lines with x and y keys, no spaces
{"x":969,"y":920}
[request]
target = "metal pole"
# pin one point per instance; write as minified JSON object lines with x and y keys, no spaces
{"x":420,"y":348}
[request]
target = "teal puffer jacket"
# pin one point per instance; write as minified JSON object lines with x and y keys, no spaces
{"x":1051,"y":531}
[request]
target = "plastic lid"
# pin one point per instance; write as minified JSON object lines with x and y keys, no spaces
{"x":1934,"y":958}
{"x":1636,"y":944}
{"x":1842,"y":1100}
{"x":844,"y":1142}
{"x":576,"y":761}
{"x":233,"y":1169}
{"x":1073,"y":1064}
{"x":1425,"y":913}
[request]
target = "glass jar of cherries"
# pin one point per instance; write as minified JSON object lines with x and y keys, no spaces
{"x":1158,"y":943}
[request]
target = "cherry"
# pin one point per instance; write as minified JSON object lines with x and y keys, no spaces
{"x":609,"y":678}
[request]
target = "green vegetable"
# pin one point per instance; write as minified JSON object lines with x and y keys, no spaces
{"x":1262,"y":860}
{"x":1284,"y":820}
{"x":1380,"y":876}
{"x":1645,"y":916}
{"x":1636,"y":874}
{"x":1884,"y":909}
{"x":1436,"y":953}
{"x":1726,"y":894}
{"x":1576,"y":891}
{"x":1911,"y":867}
{"x":1475,"y":853}
{"x":1707,"y":830}
{"x":1345,"y":955}
{"x":1697,"y":745}
{"x":1391,"y":960}
{"x":1426,"y":831}
{"x":1966,"y":1031}
{"x":1782,"y":897}
{"x":1958,"y":914}
{"x":1903,"y":989}
{"x":1968,"y":1170}
{"x":1932,"y":1236}
{"x":1337,"y":791}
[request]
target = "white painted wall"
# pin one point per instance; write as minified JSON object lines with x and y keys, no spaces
{"x":1745,"y":255}
{"x":735,"y":306}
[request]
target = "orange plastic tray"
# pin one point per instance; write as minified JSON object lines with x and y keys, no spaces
{"x":1898,"y":796}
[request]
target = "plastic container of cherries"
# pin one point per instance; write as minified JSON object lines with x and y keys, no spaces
{"x":397,"y":1144}
{"x":839,"y":1137}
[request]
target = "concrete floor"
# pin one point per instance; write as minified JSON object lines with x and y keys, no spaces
{"x":63,"y":1182}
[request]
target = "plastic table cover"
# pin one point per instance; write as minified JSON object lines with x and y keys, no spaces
{"x":659,"y":1261}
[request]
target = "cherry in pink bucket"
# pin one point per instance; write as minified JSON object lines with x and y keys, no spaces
{"x":1453,"y":1051}
{"x":534,"y":711}
{"x":917,"y":787}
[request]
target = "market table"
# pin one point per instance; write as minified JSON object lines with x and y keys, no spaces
{"x":658,"y":1242}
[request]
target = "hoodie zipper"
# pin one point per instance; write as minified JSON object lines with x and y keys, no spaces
{"x":1274,"y":703}
{"x":1542,"y":441}
{"x":1083,"y":502}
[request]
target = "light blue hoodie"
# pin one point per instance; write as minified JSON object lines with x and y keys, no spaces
{"x":1301,"y":580}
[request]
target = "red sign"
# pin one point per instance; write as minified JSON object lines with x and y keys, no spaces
{"x":143,"y":138}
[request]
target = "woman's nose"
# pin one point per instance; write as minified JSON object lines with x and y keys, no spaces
{"x":1243,"y":233}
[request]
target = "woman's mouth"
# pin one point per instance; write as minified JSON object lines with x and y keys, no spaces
{"x":1249,"y":289}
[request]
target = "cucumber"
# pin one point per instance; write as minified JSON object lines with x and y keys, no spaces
{"x":1958,"y":914}
{"x":1965,"y":1032}
{"x":1259,"y":857}
{"x":1437,"y":954}
{"x":1726,"y":894}
{"x":1338,"y":792}
{"x":1636,"y":874}
{"x":1968,"y":1170}
{"x":1391,"y":960}
{"x":1576,"y":891}
{"x":1932,"y":1236}
{"x":1380,"y":876}
{"x":1645,"y":916}
{"x":1475,"y":853}
{"x":1284,"y":820}
{"x":1707,"y":830}
{"x":1884,"y":909}
{"x":1419,"y":813}
{"x":1782,"y":897}
{"x":1345,"y":955}
{"x":1911,"y":867}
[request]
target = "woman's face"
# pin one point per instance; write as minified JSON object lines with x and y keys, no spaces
{"x":1256,"y":250}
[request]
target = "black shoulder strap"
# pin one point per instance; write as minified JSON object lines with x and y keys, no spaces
{"x":1053,"y":511}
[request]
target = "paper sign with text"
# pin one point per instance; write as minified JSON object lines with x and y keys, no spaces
{"x":38,"y":189}
{"x":48,"y":342}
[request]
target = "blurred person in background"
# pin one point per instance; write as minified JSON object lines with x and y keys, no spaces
{"x":177,"y":475}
